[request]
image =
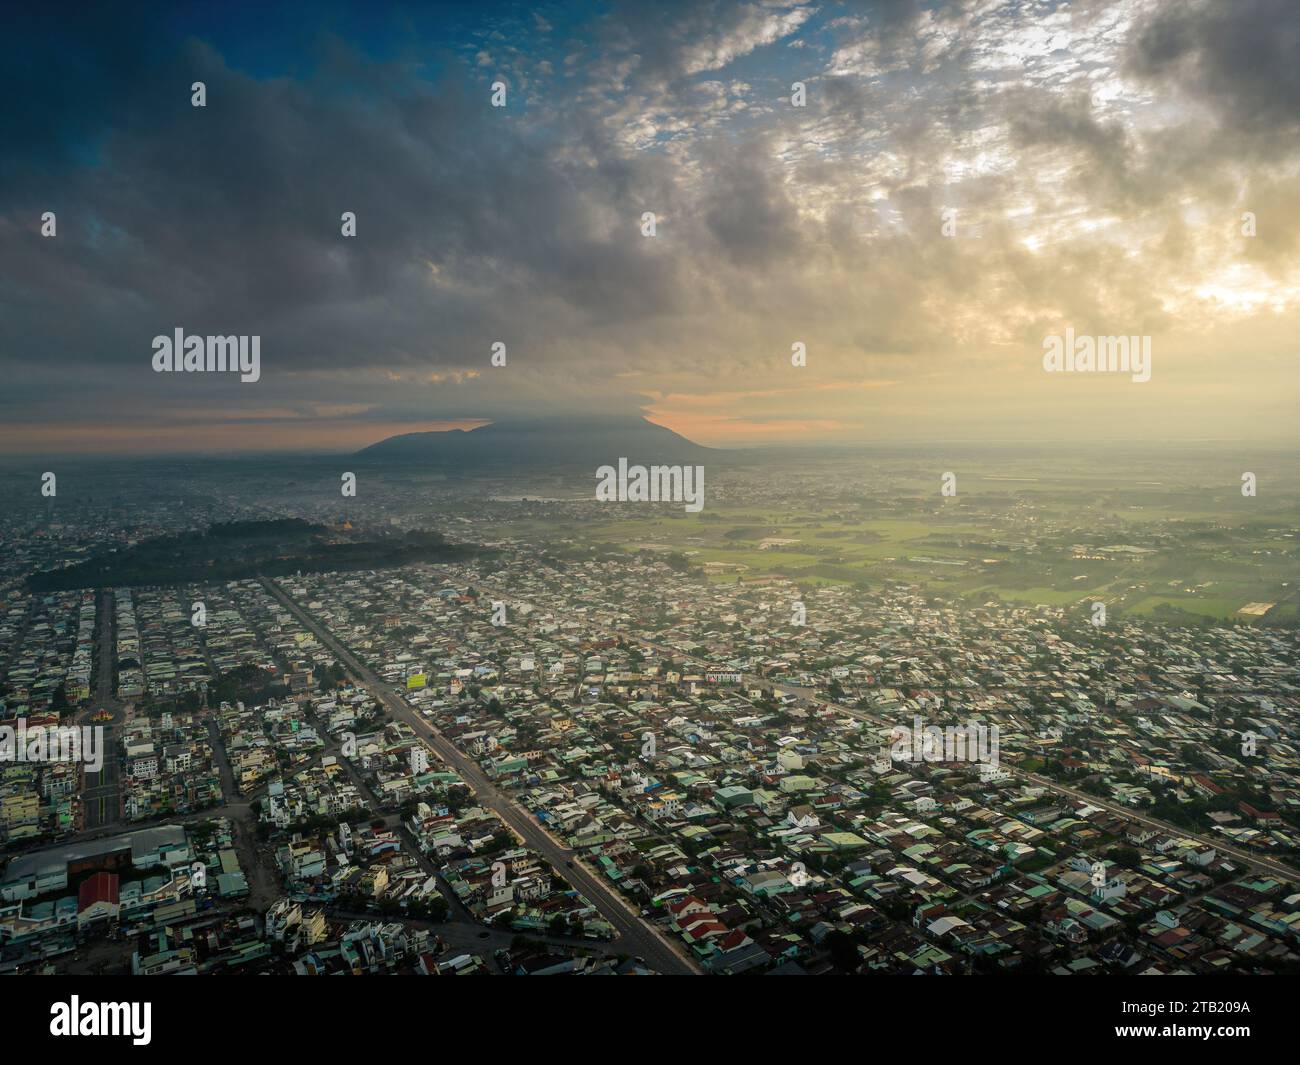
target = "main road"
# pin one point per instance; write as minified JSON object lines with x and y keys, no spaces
{"x":101,"y":799}
{"x":641,"y":939}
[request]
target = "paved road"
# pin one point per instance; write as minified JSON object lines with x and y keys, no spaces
{"x":1250,"y":860}
{"x":101,"y":799}
{"x":641,"y":940}
{"x":467,"y":927}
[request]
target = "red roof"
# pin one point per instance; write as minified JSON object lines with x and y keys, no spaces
{"x":102,"y":887}
{"x":702,"y":927}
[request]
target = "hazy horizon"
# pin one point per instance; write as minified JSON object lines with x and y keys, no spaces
{"x":146,"y":451}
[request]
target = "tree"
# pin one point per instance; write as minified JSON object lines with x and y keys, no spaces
{"x":843,"y":951}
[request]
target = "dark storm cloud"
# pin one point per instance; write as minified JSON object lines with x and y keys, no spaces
{"x":1239,"y":57}
{"x":226,"y":218}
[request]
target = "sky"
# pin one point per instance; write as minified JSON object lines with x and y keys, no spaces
{"x":963,"y":180}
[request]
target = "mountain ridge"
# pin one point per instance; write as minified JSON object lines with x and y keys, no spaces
{"x":594,"y":440}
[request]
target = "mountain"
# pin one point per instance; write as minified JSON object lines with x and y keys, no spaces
{"x":590,"y":441}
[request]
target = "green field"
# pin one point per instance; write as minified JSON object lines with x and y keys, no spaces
{"x":1169,"y":545}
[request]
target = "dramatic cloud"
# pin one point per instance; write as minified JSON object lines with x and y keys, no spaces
{"x":1099,"y":157}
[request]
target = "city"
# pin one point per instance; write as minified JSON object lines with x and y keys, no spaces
{"x":607,"y":752}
